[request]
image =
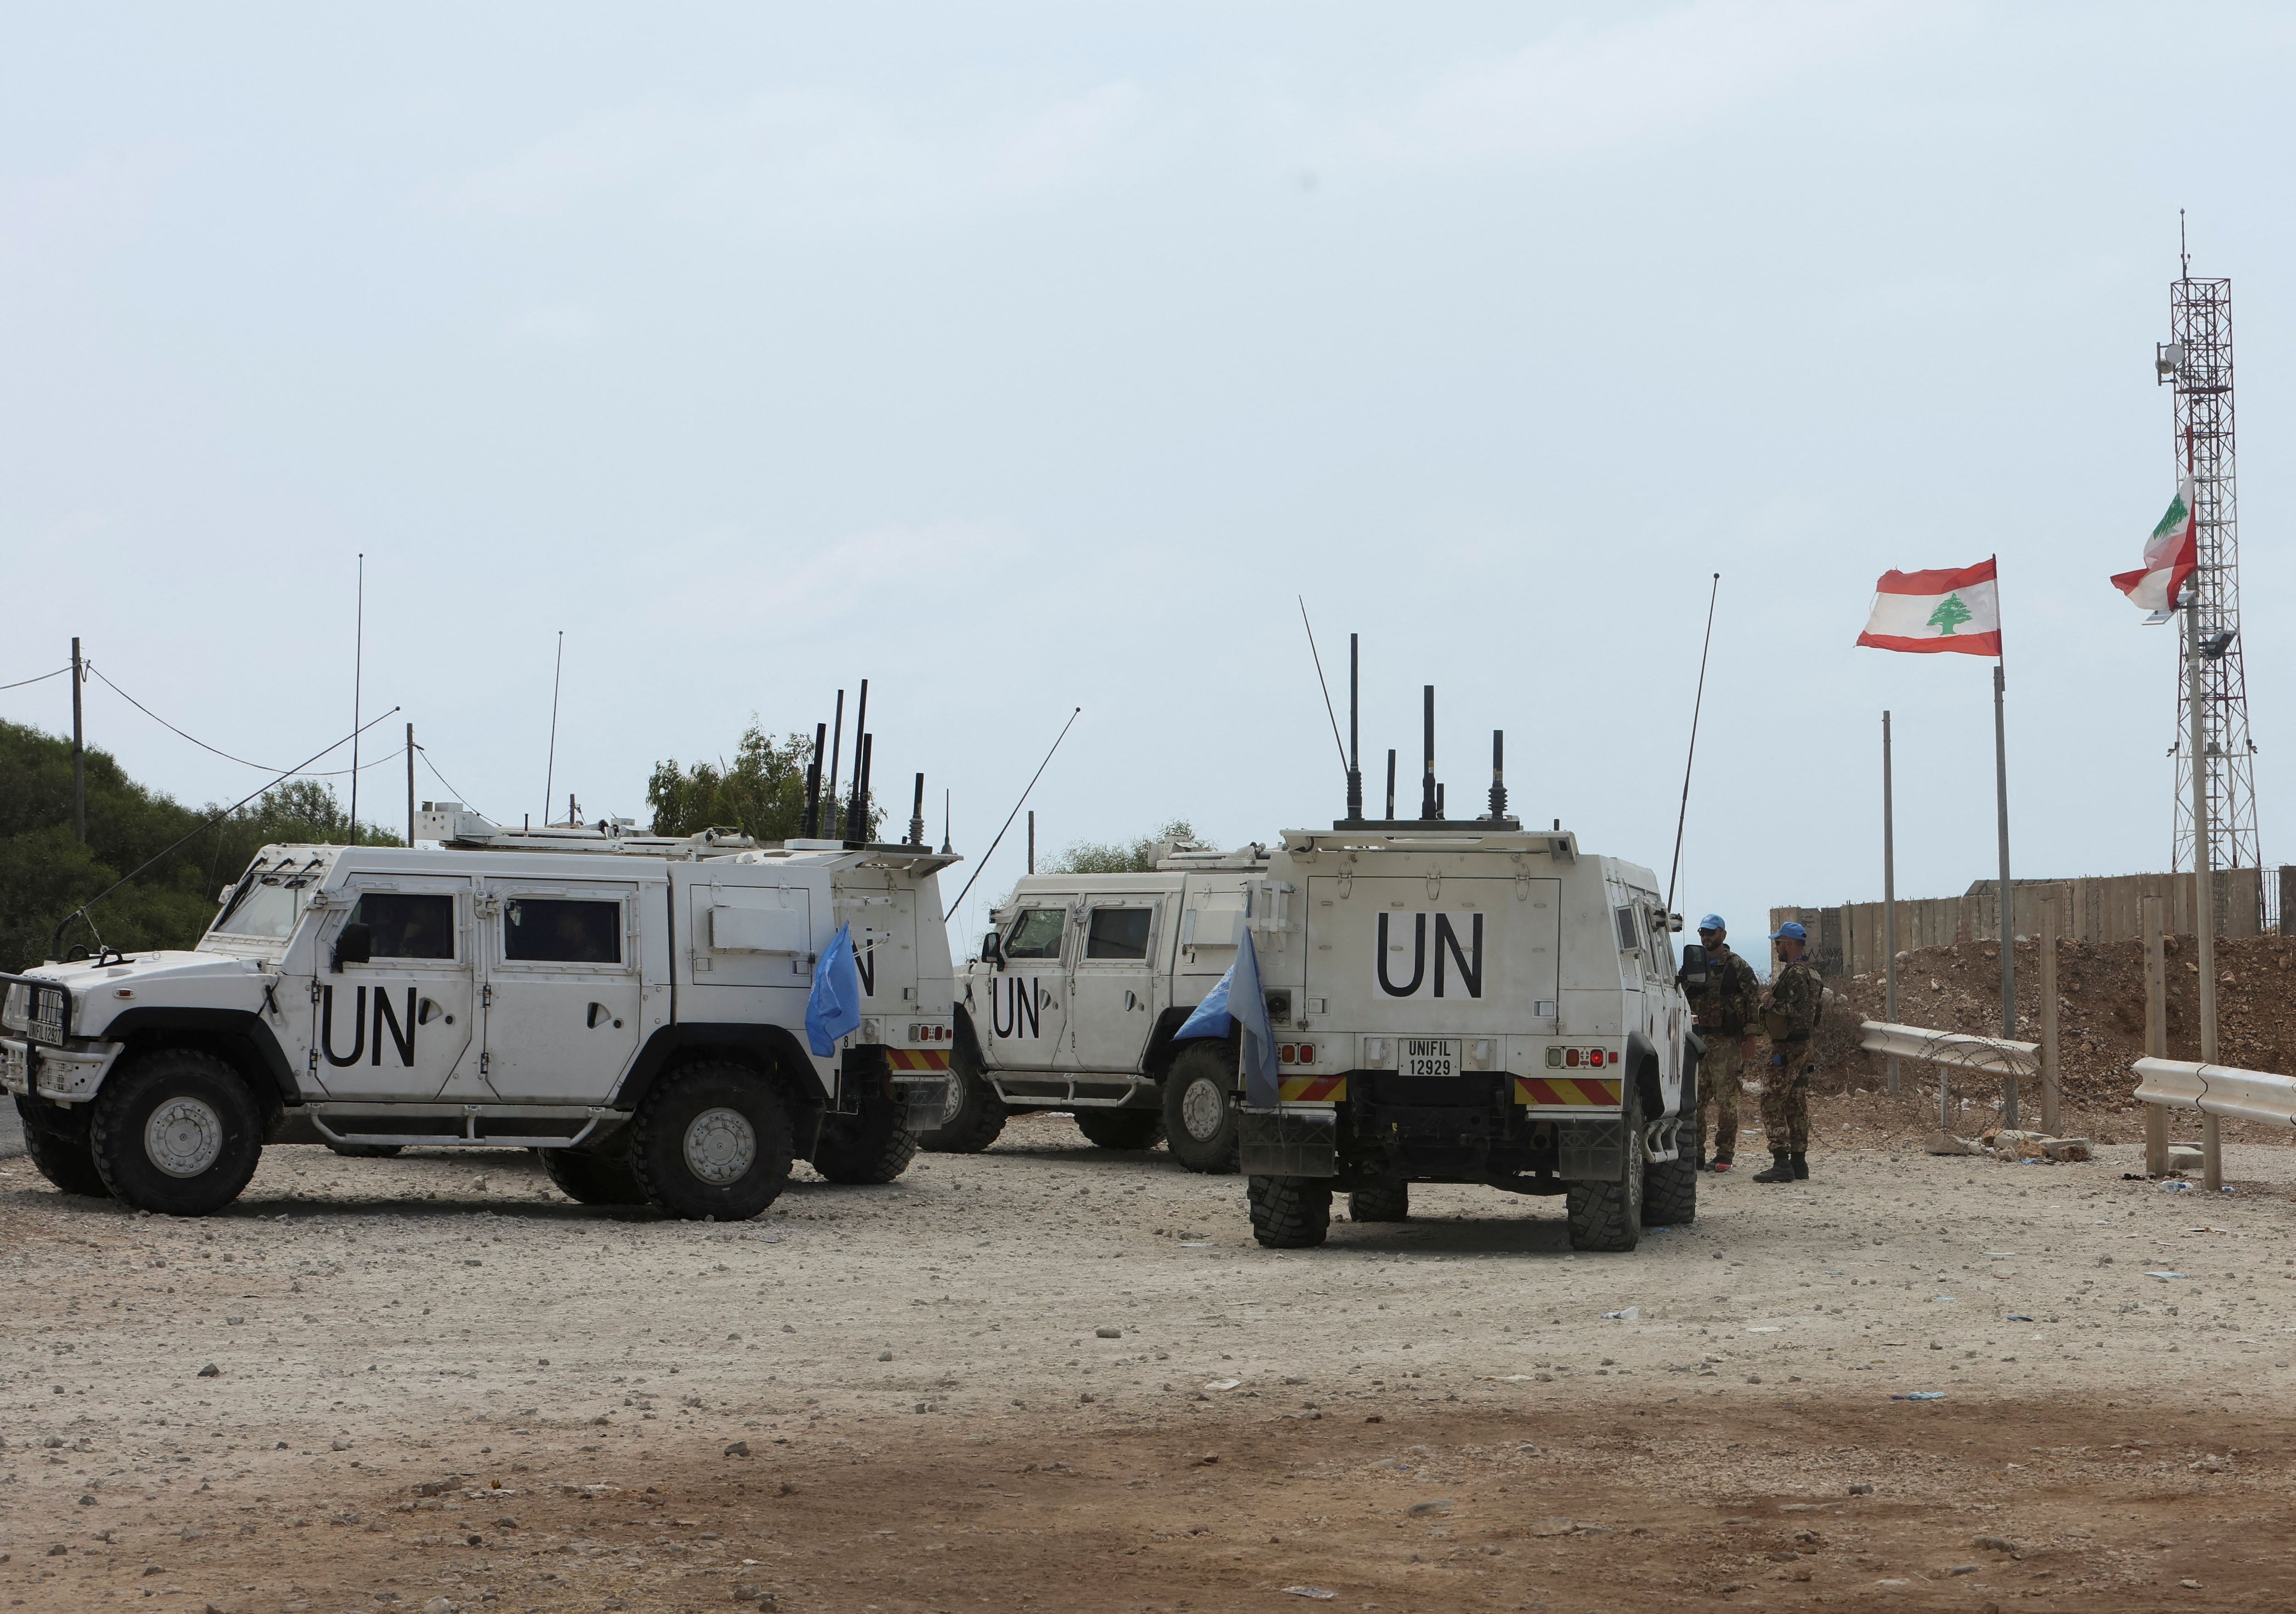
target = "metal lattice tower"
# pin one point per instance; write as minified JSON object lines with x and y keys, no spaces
{"x":2197,"y":360}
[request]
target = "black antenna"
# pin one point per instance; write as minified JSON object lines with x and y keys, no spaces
{"x":1429,"y":806}
{"x":857,"y":822}
{"x":2184,"y":254}
{"x":812,"y":827}
{"x":1499,"y":775}
{"x":945,"y":850}
{"x":1325,"y":687}
{"x":1390,"y":785}
{"x":1354,"y":737}
{"x":917,"y":815}
{"x":1683,"y":818}
{"x":860,"y":728}
{"x":1015,"y":814}
{"x":550,"y":773}
{"x":836,"y":750}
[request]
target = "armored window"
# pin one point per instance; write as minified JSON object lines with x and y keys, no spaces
{"x":555,"y":930}
{"x":1118,"y":932}
{"x":405,"y":925}
{"x":1038,"y":933}
{"x":263,"y":909}
{"x":1628,"y":940}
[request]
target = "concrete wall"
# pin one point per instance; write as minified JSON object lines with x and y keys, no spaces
{"x":1847,"y":940}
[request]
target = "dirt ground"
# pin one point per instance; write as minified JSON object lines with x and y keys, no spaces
{"x":1055,"y":1377}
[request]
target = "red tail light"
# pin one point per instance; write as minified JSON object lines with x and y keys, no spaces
{"x":1287,"y":1053}
{"x":1594,"y":1056}
{"x":1570,"y":1056}
{"x":1306,"y":1053}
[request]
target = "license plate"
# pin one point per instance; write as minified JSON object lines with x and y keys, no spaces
{"x":1433,"y":1057}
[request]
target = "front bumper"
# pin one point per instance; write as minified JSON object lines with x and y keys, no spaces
{"x":69,"y":1075}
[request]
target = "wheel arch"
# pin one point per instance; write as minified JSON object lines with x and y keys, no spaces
{"x":771,"y":1051}
{"x":237,"y":1036}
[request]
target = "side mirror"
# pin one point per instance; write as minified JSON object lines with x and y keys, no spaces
{"x":1695,"y":964}
{"x":353,"y":945}
{"x":224,"y":895}
{"x":992,"y":950}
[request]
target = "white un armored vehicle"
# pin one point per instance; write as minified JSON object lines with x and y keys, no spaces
{"x":1073,"y":999}
{"x":632,"y":1006}
{"x":1453,"y":1001}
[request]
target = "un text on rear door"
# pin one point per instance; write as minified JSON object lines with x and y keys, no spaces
{"x":396,"y":1025}
{"x":562,"y":989}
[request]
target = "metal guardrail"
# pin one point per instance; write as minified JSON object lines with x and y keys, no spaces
{"x":1961,"y":1051}
{"x":2217,"y":1089}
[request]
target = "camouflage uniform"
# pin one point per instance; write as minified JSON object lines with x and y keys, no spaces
{"x":1723,"y":1014}
{"x":1789,"y":1016}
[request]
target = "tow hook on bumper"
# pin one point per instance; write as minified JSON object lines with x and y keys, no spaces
{"x":1288,"y":1142}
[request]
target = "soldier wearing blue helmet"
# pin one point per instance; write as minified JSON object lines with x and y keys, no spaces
{"x":1790,"y":1018}
{"x":1723,"y":1014}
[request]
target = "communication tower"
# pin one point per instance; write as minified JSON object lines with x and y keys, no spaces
{"x":2197,"y":362}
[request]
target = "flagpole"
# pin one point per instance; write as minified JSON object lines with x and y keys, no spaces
{"x":2008,"y":904}
{"x":1888,"y":898}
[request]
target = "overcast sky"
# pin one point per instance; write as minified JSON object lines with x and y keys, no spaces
{"x":1025,"y":358}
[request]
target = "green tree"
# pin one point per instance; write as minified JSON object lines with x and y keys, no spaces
{"x":761,"y":794}
{"x":45,"y":872}
{"x":1121,"y":857}
{"x":1950,"y":614}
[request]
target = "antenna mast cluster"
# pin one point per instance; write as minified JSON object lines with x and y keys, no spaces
{"x":2197,"y":362}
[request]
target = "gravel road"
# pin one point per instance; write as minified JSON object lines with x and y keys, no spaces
{"x":204,"y":1406}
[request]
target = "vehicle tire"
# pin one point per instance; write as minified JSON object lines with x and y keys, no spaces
{"x":589,"y":1179}
{"x":975,"y":1115}
{"x":62,"y":1158}
{"x":366,"y":1151}
{"x":1200,"y":1112}
{"x":1607,"y":1218}
{"x":1670,"y":1193}
{"x":1388,"y":1202}
{"x":1131,"y":1129}
{"x":712,"y":1140}
{"x":1290,"y":1213}
{"x":870,"y":1147}
{"x":175,"y":1132}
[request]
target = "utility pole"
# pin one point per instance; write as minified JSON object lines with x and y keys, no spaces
{"x":2204,"y":915}
{"x":359,"y":674}
{"x":80,"y":755}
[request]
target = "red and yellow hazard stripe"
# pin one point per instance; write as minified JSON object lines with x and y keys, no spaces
{"x":1312,"y":1090}
{"x":1566,"y":1090}
{"x":934,"y":1060}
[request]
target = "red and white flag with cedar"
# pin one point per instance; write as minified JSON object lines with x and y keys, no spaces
{"x":2171,"y":555}
{"x":1927,"y":611}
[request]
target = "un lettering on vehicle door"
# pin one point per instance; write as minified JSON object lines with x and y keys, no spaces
{"x":1410,"y":953}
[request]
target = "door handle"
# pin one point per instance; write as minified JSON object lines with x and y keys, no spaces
{"x":431,"y":1011}
{"x":599,"y":1012}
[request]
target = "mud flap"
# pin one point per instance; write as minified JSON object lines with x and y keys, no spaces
{"x":1288,"y":1142}
{"x":1591,"y":1151}
{"x":926,"y":1097}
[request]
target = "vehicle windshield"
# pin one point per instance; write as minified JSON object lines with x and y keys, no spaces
{"x":265,"y":907}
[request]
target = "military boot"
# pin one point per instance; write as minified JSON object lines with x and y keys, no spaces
{"x":1800,"y":1167}
{"x":1780,"y":1171}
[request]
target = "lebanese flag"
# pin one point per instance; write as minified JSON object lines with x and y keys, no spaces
{"x":1933,"y":611}
{"x":2171,"y":555}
